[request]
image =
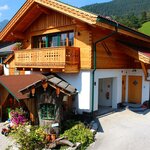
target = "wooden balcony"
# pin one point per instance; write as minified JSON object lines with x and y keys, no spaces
{"x":55,"y":59}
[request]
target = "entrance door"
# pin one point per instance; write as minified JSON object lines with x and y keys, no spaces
{"x":134,"y":89}
{"x":123,"y":88}
{"x":105,"y":92}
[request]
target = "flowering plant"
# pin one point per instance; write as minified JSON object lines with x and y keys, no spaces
{"x":17,"y":116}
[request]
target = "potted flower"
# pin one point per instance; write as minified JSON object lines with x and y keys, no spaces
{"x":53,"y":135}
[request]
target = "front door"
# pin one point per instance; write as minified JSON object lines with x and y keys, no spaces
{"x":134,"y":89}
{"x":105,"y":92}
{"x":123,"y":88}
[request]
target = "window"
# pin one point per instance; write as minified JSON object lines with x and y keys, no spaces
{"x":54,"y":40}
{"x":63,"y":39}
{"x":47,"y":111}
{"x":42,"y":41}
{"x":39,"y":41}
{"x":70,"y":38}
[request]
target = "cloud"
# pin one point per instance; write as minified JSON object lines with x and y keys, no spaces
{"x":4,"y":7}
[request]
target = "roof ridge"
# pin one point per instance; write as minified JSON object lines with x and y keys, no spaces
{"x":75,"y":12}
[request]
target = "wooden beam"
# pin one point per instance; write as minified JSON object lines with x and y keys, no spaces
{"x":18,"y":35}
{"x":128,"y":51}
{"x":134,"y":53}
{"x":69,"y":10}
{"x":44,"y":10}
{"x":144,"y":70}
{"x":144,"y":58}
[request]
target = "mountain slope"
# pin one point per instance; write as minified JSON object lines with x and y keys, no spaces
{"x":119,"y":7}
{"x":3,"y":24}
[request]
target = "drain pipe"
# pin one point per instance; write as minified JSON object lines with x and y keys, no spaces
{"x":94,"y":62}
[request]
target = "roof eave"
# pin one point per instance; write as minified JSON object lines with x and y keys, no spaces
{"x":15,"y":19}
{"x":121,"y":28}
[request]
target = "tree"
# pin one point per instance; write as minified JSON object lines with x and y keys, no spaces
{"x":144,"y":17}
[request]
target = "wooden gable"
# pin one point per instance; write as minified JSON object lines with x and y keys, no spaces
{"x":48,"y":21}
{"x":32,"y":9}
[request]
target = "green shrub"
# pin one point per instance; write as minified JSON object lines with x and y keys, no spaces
{"x":29,"y":137}
{"x":80,"y":133}
{"x":68,"y":124}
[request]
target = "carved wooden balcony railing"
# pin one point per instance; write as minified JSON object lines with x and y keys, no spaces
{"x":57,"y":59}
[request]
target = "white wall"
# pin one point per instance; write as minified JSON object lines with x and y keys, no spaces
{"x":6,"y":70}
{"x":82,"y":82}
{"x":28,"y":72}
{"x":117,"y":85}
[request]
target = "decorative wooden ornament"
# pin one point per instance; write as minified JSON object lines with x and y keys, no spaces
{"x":33,"y":91}
{"x":44,"y":85}
{"x":57,"y":91}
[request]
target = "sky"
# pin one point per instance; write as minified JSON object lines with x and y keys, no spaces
{"x":8,"y":8}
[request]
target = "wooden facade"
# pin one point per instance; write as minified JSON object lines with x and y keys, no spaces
{"x":42,"y":17}
{"x":55,"y":22}
{"x":97,"y":43}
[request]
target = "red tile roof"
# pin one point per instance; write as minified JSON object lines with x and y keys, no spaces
{"x":13,"y":83}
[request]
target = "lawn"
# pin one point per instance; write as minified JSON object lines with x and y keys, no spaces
{"x":145,"y":28}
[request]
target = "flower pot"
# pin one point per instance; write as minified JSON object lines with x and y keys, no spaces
{"x":48,"y":137}
{"x":53,"y":137}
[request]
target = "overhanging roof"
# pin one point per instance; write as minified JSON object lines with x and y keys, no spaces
{"x":6,"y":50}
{"x":13,"y":83}
{"x":32,"y":9}
{"x":53,"y":81}
{"x":140,"y":53}
{"x":64,"y":86}
{"x":102,"y":21}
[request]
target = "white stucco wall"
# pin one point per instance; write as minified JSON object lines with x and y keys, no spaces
{"x":28,"y":72}
{"x":82,"y":82}
{"x":6,"y":70}
{"x":117,"y":84}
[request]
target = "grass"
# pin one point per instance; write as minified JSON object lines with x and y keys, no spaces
{"x":145,"y":28}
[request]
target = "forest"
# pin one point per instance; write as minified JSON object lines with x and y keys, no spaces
{"x":132,"y":13}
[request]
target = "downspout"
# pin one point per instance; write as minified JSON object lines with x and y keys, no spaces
{"x":94,"y":62}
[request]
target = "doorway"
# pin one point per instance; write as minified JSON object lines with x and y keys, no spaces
{"x":105,"y":95}
{"x":134,"y":89}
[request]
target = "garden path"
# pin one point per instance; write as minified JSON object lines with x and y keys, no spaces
{"x":5,"y":141}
